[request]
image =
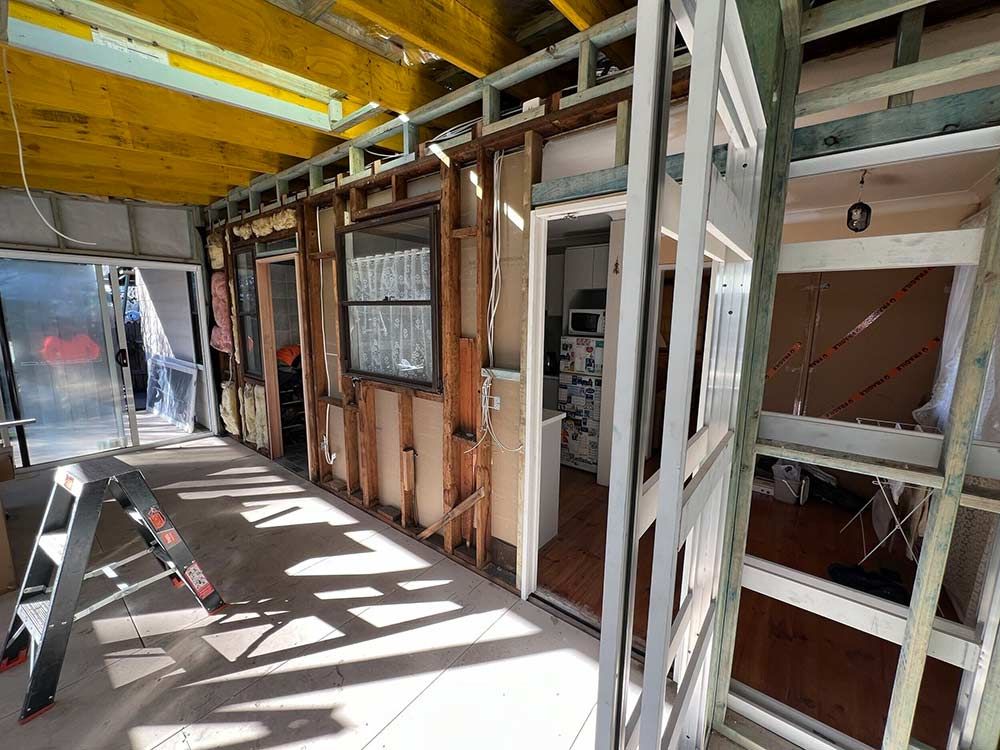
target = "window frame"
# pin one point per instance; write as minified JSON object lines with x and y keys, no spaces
{"x":251,"y":250}
{"x":433,"y":385}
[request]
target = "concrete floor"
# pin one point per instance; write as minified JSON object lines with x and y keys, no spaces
{"x":341,"y":632}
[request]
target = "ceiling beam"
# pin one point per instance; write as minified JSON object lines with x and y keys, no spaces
{"x":41,"y":150}
{"x":264,"y":32}
{"x":585,"y":13}
{"x":89,"y":13}
{"x":841,"y":15}
{"x":46,"y":83}
{"x":158,"y":71}
{"x":943,"y":69}
{"x":455,"y":31}
{"x":106,"y":187}
{"x":106,"y":131}
{"x":140,"y":182}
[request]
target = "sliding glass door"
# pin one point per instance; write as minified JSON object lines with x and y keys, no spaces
{"x":102,"y":356}
{"x":61,"y":360}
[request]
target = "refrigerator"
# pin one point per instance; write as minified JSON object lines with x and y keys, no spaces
{"x":581,"y":364}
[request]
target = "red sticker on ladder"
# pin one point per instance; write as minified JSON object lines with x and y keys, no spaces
{"x":156,"y":518}
{"x":198,"y":581}
{"x":168,"y":537}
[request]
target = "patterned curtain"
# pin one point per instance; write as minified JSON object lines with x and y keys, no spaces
{"x":394,"y":340}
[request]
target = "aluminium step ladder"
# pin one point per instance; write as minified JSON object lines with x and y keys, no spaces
{"x":45,"y":612}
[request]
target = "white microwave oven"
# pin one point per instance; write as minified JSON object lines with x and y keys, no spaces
{"x":586,"y":322}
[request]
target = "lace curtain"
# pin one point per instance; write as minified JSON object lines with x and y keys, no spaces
{"x":393,"y":340}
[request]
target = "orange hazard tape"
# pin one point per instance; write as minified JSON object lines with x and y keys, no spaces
{"x":895,"y":372}
{"x":773,"y":370}
{"x":875,"y":315}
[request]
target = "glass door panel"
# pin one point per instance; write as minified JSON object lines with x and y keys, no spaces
{"x":62,"y":342}
{"x":166,"y":377}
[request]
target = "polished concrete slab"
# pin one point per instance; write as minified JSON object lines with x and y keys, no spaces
{"x":340,"y":633}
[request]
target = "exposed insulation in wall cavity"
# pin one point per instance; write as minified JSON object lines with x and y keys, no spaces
{"x":254,"y":410}
{"x":216,"y":246}
{"x":262,"y":226}
{"x":222,"y":331}
{"x":229,"y":409}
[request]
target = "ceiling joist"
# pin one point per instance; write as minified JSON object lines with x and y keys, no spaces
{"x":943,"y":69}
{"x":585,"y":13}
{"x":841,"y":15}
{"x":41,"y":150}
{"x":261,"y":31}
{"x":460,"y":32}
{"x":94,"y":184}
{"x":50,"y":85}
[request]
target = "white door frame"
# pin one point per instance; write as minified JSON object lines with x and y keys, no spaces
{"x":538,"y":241}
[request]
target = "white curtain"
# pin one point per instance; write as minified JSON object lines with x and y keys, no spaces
{"x":394,"y":340}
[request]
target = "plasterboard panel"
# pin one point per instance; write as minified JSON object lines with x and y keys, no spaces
{"x":506,"y":463}
{"x":428,"y":443}
{"x":163,"y":232}
{"x":104,"y":224}
{"x":387,"y":444}
{"x":20,"y":225}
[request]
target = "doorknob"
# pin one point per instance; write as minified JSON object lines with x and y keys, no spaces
{"x":121,"y":357}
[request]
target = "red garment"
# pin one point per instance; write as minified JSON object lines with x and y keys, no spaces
{"x":288,"y":354}
{"x":80,"y":348}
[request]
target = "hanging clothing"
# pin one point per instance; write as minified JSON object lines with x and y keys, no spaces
{"x":80,"y":348}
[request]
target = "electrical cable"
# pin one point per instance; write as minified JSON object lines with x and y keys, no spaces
{"x":496,"y":285}
{"x":325,"y":442}
{"x":20,"y":156}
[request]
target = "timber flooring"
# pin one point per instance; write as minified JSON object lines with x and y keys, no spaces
{"x":820,"y":668}
{"x":571,"y":564}
{"x":826,"y":670}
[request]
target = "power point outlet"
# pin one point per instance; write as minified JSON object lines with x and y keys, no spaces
{"x":494,"y":403}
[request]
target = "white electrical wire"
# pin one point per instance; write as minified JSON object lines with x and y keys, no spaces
{"x":325,"y":442}
{"x":496,"y":284}
{"x":20,"y":157}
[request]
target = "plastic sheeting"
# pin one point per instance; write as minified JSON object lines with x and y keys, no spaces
{"x":965,"y":574}
{"x":935,"y":412}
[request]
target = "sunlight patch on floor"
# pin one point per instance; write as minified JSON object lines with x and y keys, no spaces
{"x":362,"y":592}
{"x":126,"y":667}
{"x":384,"y":615}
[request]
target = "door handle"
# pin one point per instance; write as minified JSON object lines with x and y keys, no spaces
{"x":121,"y":357}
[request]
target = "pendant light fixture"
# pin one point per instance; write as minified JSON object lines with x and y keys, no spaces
{"x":859,"y":216}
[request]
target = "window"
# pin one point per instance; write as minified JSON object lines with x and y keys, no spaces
{"x":389,"y":298}
{"x":246,"y":309}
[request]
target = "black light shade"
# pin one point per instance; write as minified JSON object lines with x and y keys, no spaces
{"x":859,"y":217}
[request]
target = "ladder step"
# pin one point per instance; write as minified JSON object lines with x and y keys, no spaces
{"x":53,"y":544}
{"x":35,"y":615}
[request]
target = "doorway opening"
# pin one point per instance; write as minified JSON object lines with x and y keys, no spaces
{"x":576,"y":350}
{"x":282,"y":351}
